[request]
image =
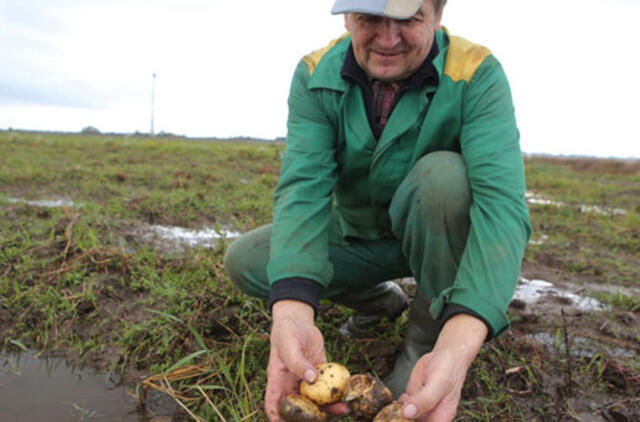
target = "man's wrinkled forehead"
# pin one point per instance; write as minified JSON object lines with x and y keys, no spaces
{"x":394,"y":9}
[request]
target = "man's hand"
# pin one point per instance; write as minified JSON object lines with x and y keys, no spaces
{"x":296,"y":347}
{"x":435,"y":385}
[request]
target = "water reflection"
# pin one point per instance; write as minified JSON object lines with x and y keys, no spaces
{"x":47,"y":203}
{"x":189,"y":237}
{"x":534,"y":291}
{"x":36,"y":389}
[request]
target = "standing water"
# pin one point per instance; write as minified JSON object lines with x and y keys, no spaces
{"x":36,"y":389}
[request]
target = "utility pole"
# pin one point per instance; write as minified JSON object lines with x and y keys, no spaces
{"x":153,"y":100}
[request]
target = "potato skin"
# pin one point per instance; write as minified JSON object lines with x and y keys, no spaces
{"x":297,"y":408}
{"x":366,"y":395}
{"x":328,"y":386}
{"x":391,"y":413}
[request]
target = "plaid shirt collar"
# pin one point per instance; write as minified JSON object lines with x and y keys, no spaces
{"x":380,"y":97}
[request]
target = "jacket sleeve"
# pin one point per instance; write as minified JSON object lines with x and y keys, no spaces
{"x":500,"y":227}
{"x":302,"y":201}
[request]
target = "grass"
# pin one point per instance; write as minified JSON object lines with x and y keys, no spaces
{"x":85,"y":281}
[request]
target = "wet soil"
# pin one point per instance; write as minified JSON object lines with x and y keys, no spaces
{"x":567,"y":349}
{"x":577,"y":362}
{"x":599,"y":340}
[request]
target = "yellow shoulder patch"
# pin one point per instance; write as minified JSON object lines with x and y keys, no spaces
{"x":463,"y":58}
{"x":312,"y":59}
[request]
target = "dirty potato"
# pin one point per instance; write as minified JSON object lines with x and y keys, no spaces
{"x":366,"y":395}
{"x":328,"y":386}
{"x":391,"y":413}
{"x":296,"y":408}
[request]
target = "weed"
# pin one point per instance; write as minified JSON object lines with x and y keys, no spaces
{"x":620,"y":300}
{"x":84,"y":413}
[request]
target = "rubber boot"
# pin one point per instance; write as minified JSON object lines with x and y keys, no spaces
{"x":421,"y":336}
{"x":386,"y":299}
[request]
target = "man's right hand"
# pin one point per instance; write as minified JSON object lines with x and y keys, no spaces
{"x":297,"y":347}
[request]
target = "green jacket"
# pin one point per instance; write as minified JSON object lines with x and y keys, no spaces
{"x":337,"y":180}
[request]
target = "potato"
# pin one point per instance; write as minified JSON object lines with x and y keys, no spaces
{"x":391,"y":413}
{"x":328,"y":386}
{"x":296,"y":408}
{"x":366,"y":395}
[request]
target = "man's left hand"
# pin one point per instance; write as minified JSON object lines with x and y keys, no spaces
{"x":434,"y":388}
{"x":435,"y":385}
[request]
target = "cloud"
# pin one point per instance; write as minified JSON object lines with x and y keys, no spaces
{"x":224,"y":68}
{"x":34,"y":82}
{"x":37,"y":16}
{"x":45,"y":60}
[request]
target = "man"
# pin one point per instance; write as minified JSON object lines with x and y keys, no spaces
{"x":402,"y":158}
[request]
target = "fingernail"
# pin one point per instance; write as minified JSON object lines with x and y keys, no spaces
{"x":410,"y":411}
{"x":309,"y":375}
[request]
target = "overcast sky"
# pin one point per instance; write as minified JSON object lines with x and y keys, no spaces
{"x":224,"y":67}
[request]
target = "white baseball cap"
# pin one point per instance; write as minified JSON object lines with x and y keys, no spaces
{"x":395,"y":9}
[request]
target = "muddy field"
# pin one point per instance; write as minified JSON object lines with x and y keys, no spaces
{"x":111,"y":253}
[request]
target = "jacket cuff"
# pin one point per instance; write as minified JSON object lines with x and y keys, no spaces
{"x":488,"y":311}
{"x":452,"y":309}
{"x":296,"y":288}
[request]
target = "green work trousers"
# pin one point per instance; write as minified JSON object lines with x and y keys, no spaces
{"x":430,"y":221}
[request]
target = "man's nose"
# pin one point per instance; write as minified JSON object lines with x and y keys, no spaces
{"x":388,"y":33}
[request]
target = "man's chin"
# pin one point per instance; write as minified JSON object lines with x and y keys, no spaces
{"x":386,"y":75}
{"x":386,"y":70}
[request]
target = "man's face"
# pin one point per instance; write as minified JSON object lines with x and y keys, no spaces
{"x":390,"y":49}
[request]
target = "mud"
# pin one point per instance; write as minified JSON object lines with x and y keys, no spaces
{"x":580,"y":346}
{"x":556,"y":319}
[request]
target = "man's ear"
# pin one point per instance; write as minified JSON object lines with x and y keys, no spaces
{"x":438,"y":20}
{"x":347,"y":21}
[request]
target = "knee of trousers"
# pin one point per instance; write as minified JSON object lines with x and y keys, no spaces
{"x":437,"y":187}
{"x":246,"y":259}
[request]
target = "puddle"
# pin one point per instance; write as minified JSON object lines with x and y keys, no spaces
{"x":601,"y":210}
{"x":535,"y":199}
{"x":48,"y":203}
{"x":541,"y":240}
{"x":540,"y":292}
{"x":180,"y":236}
{"x":48,"y":389}
{"x":580,"y":346}
{"x":533,"y":292}
{"x":176,"y":237}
